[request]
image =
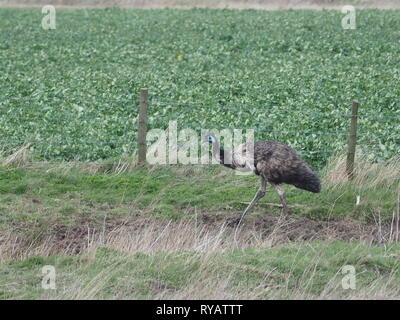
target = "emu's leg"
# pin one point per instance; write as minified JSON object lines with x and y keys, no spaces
{"x":260,"y":193}
{"x":282,"y":196}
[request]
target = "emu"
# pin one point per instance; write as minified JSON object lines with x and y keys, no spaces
{"x":275,"y":162}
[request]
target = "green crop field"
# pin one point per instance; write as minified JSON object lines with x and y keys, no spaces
{"x":72,"y":92}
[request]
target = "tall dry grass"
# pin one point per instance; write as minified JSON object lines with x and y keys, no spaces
{"x":366,"y":173}
{"x":18,"y":158}
{"x":206,"y":282}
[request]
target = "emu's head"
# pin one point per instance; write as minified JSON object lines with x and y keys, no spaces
{"x":210,"y":138}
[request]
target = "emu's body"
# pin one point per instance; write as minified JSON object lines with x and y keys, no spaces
{"x":276,"y":164}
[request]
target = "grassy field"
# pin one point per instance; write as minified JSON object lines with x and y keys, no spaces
{"x":115,"y":231}
{"x":71,"y":92}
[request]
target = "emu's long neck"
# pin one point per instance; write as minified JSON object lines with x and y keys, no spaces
{"x":224,"y":157}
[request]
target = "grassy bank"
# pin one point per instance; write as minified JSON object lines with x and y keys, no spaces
{"x":301,"y":271}
{"x":112,"y":230}
{"x":65,"y":192}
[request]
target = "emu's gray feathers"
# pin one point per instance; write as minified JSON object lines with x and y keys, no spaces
{"x":277,"y":163}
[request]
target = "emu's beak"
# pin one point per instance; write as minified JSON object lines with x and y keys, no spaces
{"x":206,"y":137}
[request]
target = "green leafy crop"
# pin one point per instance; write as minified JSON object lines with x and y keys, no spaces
{"x":292,"y":75}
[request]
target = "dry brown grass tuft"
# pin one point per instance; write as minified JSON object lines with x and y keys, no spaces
{"x":383,"y":174}
{"x":18,"y":158}
{"x":21,"y":159}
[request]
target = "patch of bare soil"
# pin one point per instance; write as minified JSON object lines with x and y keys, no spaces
{"x":75,"y":239}
{"x":295,"y":228}
{"x":29,"y":238}
{"x":272,"y":228}
{"x":207,"y":232}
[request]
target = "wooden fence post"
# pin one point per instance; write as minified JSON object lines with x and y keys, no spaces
{"x":351,"y":151}
{"x":142,"y":126}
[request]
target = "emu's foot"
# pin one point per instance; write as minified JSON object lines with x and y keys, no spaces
{"x":233,"y":222}
{"x":285,"y":211}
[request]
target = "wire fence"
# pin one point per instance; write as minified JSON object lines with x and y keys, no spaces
{"x":91,"y":128}
{"x":328,"y":132}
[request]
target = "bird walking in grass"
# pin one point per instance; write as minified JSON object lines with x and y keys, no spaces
{"x":275,"y":163}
